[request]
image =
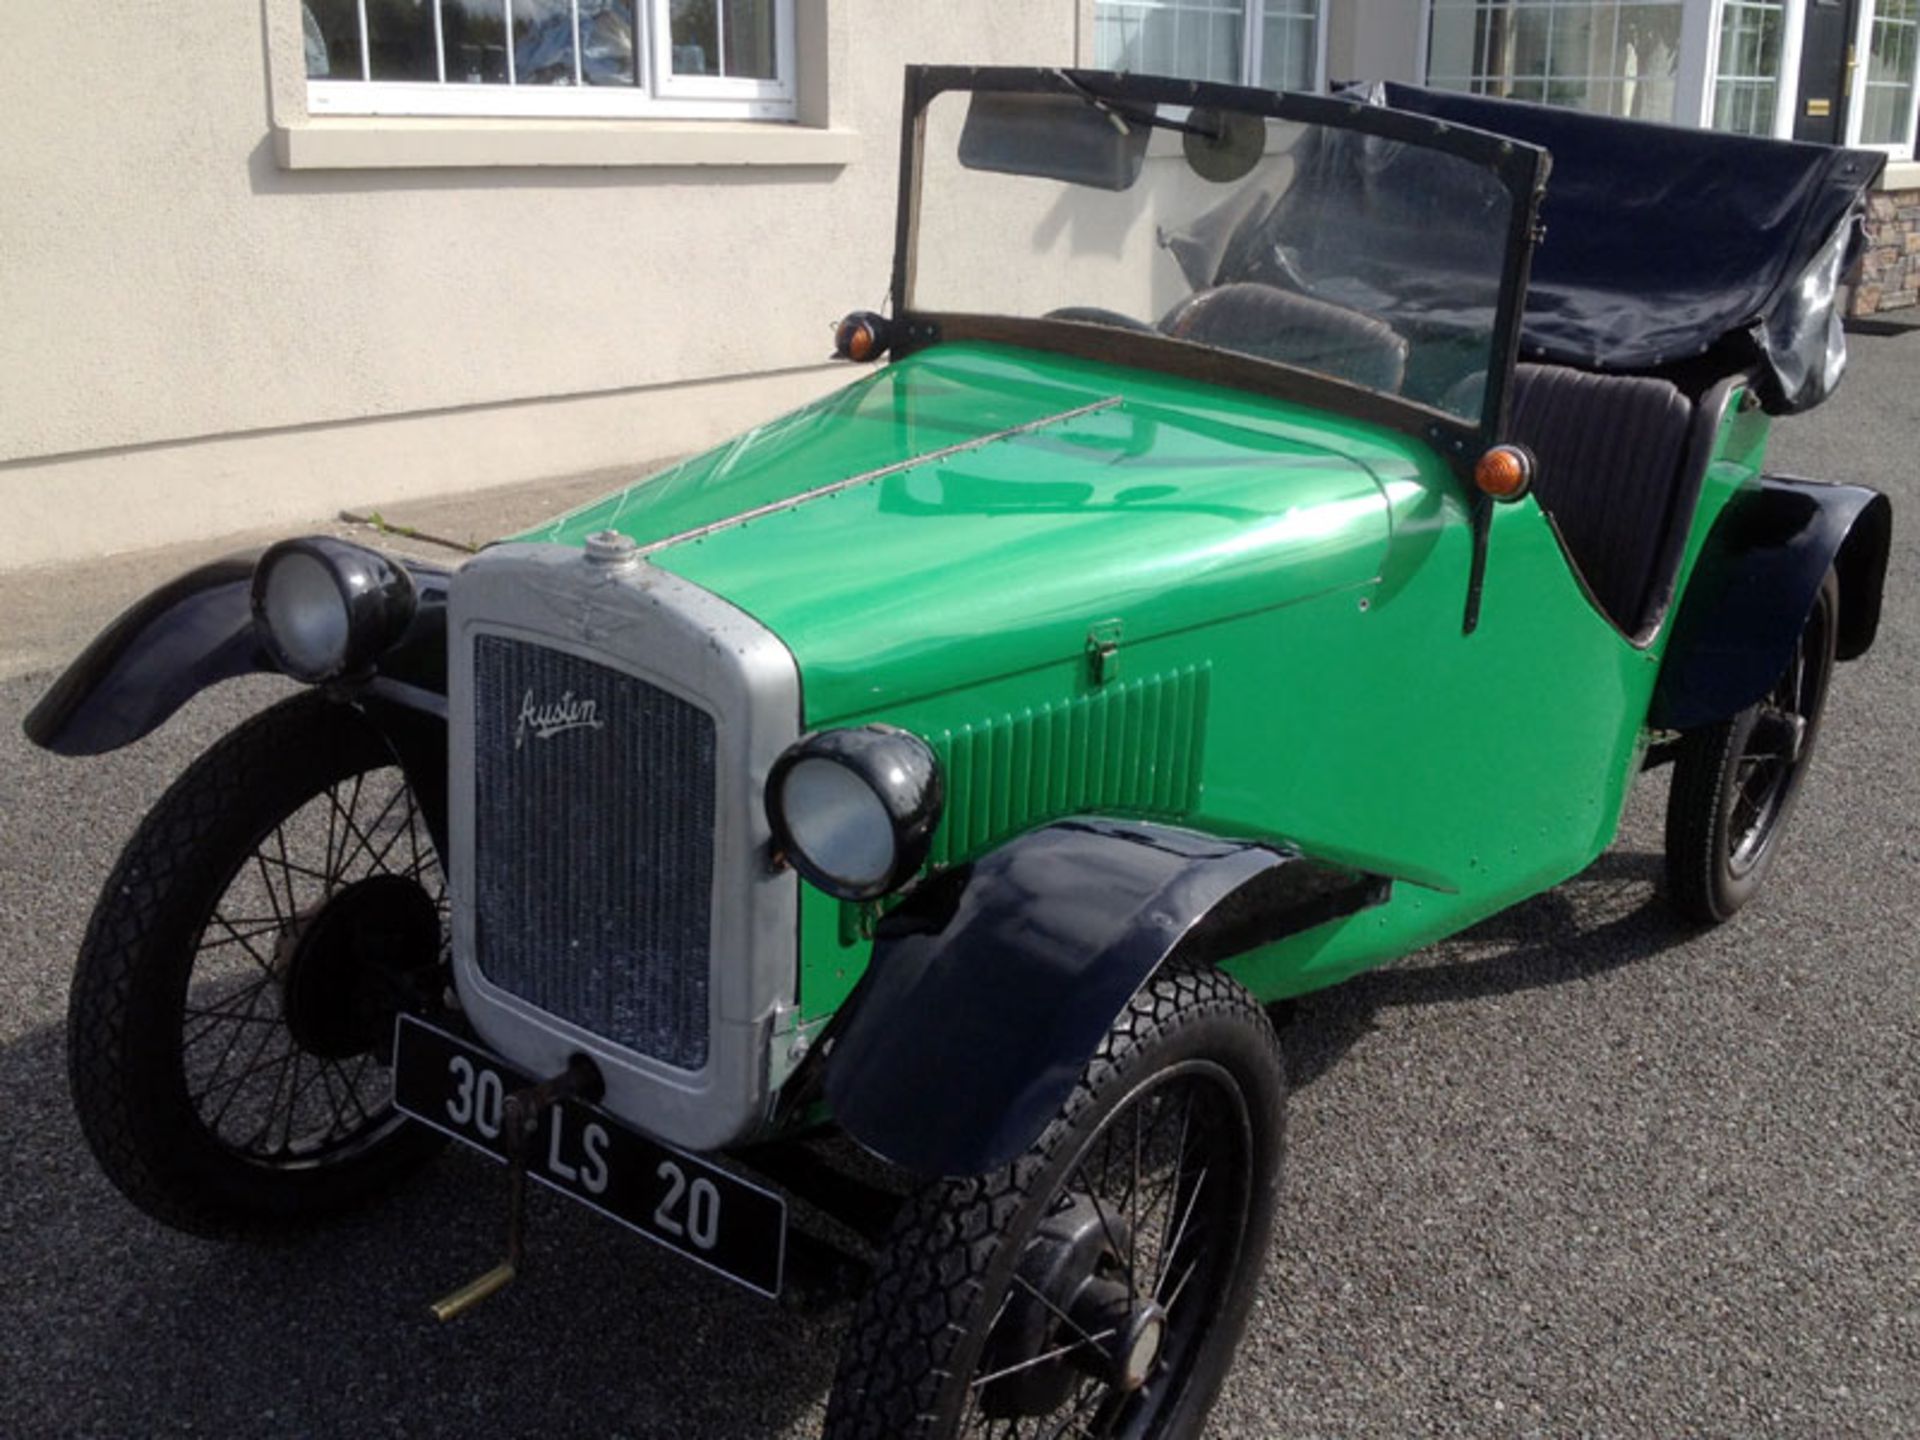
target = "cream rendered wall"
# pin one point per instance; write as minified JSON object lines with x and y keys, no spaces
{"x":1376,"y":40}
{"x":195,"y":337}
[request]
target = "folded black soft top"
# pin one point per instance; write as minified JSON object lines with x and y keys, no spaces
{"x":1663,"y":244}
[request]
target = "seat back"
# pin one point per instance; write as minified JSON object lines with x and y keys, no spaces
{"x":1614,"y":475}
{"x":1275,"y":324}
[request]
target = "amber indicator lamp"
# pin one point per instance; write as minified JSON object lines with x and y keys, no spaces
{"x":862,"y":336}
{"x":1505,"y":472}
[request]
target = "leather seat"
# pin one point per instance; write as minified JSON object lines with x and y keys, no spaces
{"x":1275,"y":324}
{"x":1612,"y":452}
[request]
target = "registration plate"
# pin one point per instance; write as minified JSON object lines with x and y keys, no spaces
{"x":708,"y":1214}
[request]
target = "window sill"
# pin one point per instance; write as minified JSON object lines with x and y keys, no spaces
{"x":389,"y":143}
{"x":1900,"y":175}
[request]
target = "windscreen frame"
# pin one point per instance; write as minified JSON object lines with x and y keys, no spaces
{"x":1520,"y":169}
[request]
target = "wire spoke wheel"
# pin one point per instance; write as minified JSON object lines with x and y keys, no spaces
{"x":234,"y":1003}
{"x":1096,"y":1286}
{"x":1093,"y":1340}
{"x":251,"y":1081}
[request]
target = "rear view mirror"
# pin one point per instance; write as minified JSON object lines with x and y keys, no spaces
{"x":1224,"y":145}
{"x":1059,"y":137}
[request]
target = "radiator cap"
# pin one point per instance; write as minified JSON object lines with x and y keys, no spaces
{"x":610,"y":547}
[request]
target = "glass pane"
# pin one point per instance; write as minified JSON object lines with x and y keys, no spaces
{"x":1209,"y":44}
{"x":1570,"y":49}
{"x":747,"y":39}
{"x":1194,"y":39}
{"x":1647,"y":60}
{"x":1744,"y":107}
{"x":607,"y":52}
{"x":1287,"y":52}
{"x":696,"y":37}
{"x":1526,"y":43}
{"x":475,"y":34}
{"x":332,"y":33}
{"x":1454,"y":47}
{"x":400,"y":43}
{"x":1890,"y":77}
{"x":1877,"y":122}
{"x":543,"y":42}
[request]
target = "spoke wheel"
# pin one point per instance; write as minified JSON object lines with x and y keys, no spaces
{"x":233,"y":1005}
{"x":1098,"y":1285}
{"x":1734,"y":784}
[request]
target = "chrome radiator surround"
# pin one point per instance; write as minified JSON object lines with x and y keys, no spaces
{"x":690,"y":643}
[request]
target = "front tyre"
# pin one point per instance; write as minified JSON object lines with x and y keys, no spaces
{"x":233,"y":1005}
{"x":1098,"y":1284}
{"x":1734,"y":783}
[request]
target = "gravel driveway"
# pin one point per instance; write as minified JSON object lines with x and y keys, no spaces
{"x":1578,"y":1172}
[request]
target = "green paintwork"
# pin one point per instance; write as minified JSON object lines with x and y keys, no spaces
{"x":1165,"y":510}
{"x":1279,"y":592}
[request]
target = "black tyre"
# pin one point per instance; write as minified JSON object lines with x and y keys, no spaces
{"x":1734,"y":784}
{"x":1098,"y":1284}
{"x":232,"y":1010}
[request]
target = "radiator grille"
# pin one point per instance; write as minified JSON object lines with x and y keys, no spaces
{"x":593,"y":846}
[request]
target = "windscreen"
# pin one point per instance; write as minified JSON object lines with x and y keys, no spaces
{"x":1366,"y":260}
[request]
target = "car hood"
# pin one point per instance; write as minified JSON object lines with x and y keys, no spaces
{"x":977,"y":510}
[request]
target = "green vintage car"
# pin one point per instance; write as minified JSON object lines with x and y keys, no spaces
{"x":1281,"y":529}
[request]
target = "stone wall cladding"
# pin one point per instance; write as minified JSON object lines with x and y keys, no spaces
{"x":1890,"y":279}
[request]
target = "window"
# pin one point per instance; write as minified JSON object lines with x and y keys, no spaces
{"x":1885,"y":117}
{"x":1275,"y":44}
{"x":1746,"y":81}
{"x":689,"y":58}
{"x":1605,"y":55}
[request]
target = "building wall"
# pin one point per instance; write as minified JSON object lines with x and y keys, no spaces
{"x":219,"y":312}
{"x":1376,"y":40}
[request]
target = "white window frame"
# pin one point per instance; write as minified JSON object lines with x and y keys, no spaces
{"x":1787,"y":94}
{"x":661,"y":95}
{"x":1856,"y":98}
{"x":1253,"y":40}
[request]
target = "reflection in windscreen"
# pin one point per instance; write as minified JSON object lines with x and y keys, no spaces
{"x":1370,"y":261}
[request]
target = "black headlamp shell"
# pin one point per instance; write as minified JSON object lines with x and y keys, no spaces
{"x":375,"y":595}
{"x":899,"y":768}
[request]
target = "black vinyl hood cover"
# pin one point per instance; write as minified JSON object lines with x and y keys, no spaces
{"x":1665,"y":244}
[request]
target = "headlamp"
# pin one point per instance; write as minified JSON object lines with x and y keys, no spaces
{"x":327,"y":608}
{"x":854,"y":810}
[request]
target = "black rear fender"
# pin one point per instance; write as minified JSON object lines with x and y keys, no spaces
{"x":1754,"y":586}
{"x":994,"y":984}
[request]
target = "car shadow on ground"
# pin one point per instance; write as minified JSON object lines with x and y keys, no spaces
{"x":144,"y":1331}
{"x":1548,"y":940}
{"x":330,"y":1334}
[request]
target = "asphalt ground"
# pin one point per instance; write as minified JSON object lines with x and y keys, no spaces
{"x":1581,"y":1171}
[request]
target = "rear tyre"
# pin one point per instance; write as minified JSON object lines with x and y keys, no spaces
{"x":1735,"y":783}
{"x":1098,"y":1284}
{"x":232,"y":1011}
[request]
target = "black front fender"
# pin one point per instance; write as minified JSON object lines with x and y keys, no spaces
{"x":991,"y":988}
{"x":195,"y":631}
{"x":1754,"y":586}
